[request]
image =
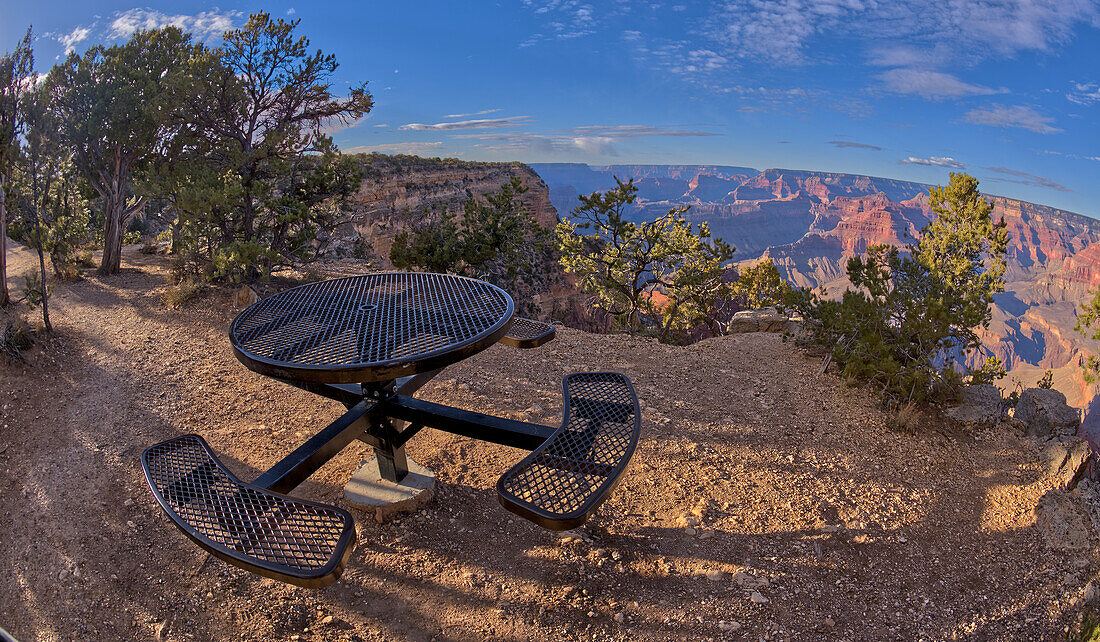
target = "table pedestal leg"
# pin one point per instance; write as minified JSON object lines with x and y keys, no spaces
{"x":392,"y":464}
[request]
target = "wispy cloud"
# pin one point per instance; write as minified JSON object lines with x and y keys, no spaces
{"x":1084,"y":93}
{"x":933,"y":85}
{"x":1069,"y":155}
{"x":1017,"y":116}
{"x":633,"y":131}
{"x":1026,"y":178}
{"x":415,"y":148}
{"x":473,"y":113}
{"x":70,"y":40}
{"x":594,"y":140}
{"x":203,"y":25}
{"x":853,"y":144}
{"x":781,"y":31}
{"x":934,"y":161}
{"x":477,"y":123}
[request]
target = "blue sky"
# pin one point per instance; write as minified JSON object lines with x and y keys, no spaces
{"x":1006,"y":90}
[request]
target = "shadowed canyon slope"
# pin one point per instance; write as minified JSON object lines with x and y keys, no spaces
{"x":810,"y":223}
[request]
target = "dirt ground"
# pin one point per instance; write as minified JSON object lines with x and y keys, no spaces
{"x":765,"y":501}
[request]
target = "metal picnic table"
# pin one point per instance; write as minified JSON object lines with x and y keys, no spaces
{"x":370,"y":342}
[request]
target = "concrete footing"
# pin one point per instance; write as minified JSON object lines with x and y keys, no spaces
{"x":385,"y":499}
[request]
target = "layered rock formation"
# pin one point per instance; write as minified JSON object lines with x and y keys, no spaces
{"x":397,"y":192}
{"x":811,"y":223}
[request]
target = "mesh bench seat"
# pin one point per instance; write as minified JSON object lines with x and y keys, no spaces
{"x":287,"y":539}
{"x":562,"y":482}
{"x":528,"y":333}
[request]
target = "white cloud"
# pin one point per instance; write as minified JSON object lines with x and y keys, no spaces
{"x":1012,"y":116}
{"x":1084,"y":93}
{"x":934,"y":161}
{"x":477,"y":123}
{"x":382,"y":125}
{"x":291,"y":11}
{"x":599,"y":145}
{"x":473,"y":113}
{"x":70,"y":40}
{"x":932,"y":85}
{"x":203,"y":25}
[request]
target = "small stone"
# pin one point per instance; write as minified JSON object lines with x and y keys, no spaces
{"x":1092,"y":593}
{"x":728,"y":626}
{"x":618,"y":617}
{"x":616,"y":555}
{"x":688,"y":520}
{"x":706,"y":534}
{"x":62,"y":574}
{"x":209,"y":595}
{"x":758,"y":598}
{"x":829,"y":622}
{"x":715,"y":575}
{"x":690,"y":531}
{"x":128,"y":503}
{"x":131,"y":525}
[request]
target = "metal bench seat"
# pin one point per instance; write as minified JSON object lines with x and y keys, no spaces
{"x":287,"y":539}
{"x":562,"y":482}
{"x":528,"y":333}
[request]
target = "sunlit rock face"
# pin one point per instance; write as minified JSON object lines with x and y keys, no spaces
{"x":811,"y":223}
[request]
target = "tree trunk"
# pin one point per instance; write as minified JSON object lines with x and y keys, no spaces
{"x":5,"y":298}
{"x":42,"y":270}
{"x":112,"y":237}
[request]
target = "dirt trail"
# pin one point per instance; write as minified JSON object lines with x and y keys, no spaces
{"x":838,"y":526}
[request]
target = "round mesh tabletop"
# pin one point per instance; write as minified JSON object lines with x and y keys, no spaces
{"x":373,"y":327}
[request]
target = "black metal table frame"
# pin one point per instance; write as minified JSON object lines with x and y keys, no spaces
{"x":373,"y":409}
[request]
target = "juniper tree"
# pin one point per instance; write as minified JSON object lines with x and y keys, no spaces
{"x":15,"y":71}
{"x":911,"y":322}
{"x":661,"y":274}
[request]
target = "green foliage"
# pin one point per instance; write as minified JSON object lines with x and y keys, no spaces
{"x":16,"y":70}
{"x":496,"y":239}
{"x":1088,"y":324}
{"x":760,"y":286}
{"x":1047,"y":381}
{"x":659,"y":275}
{"x":34,"y":292}
{"x":912,"y":317}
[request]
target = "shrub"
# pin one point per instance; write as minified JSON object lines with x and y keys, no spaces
{"x":187,"y":289}
{"x":760,"y":286}
{"x":16,"y":337}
